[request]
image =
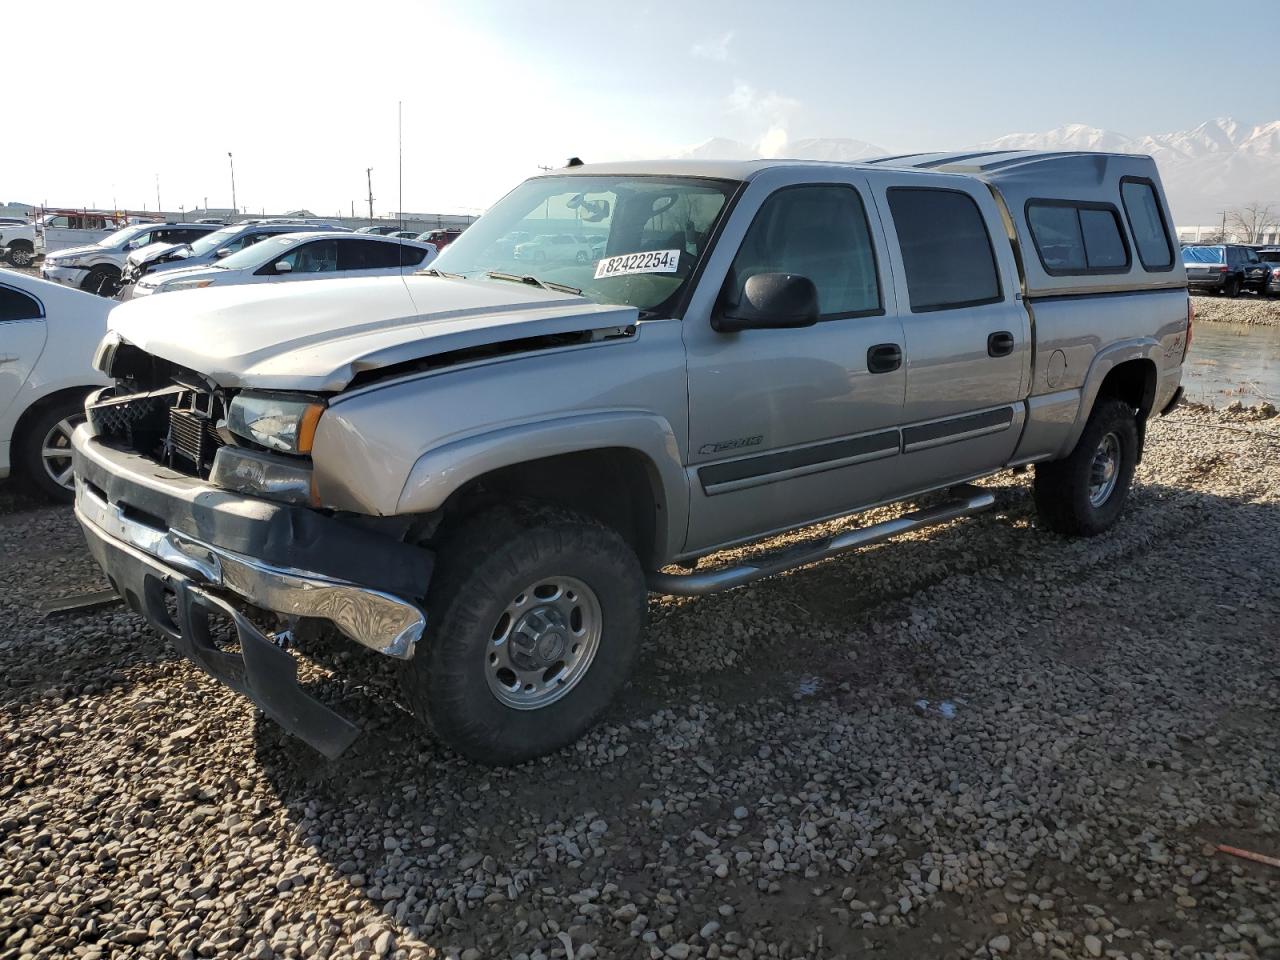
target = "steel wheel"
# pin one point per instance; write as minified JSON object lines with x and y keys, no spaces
{"x":543,"y":643}
{"x":1104,"y":470}
{"x":55,"y":451}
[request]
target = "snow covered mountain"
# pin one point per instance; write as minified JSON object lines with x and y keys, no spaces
{"x":1222,"y":163}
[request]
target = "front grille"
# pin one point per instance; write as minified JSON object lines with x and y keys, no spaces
{"x":192,"y":438}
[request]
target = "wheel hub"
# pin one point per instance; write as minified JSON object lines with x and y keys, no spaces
{"x":1104,"y":470}
{"x":543,"y":643}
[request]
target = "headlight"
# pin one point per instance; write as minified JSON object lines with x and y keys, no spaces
{"x":287,"y":424}
{"x":186,"y":285}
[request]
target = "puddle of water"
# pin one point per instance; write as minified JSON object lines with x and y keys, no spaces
{"x":1233,"y":361}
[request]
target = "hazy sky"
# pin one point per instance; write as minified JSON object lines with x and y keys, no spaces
{"x":305,"y":93}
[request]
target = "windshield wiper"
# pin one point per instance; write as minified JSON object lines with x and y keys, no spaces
{"x":533,"y":282}
{"x":433,"y":272}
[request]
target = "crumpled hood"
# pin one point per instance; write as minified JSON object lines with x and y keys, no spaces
{"x":153,"y":251}
{"x":318,"y":334}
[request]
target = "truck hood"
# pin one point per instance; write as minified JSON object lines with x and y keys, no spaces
{"x":317,"y":335}
{"x":72,"y":253}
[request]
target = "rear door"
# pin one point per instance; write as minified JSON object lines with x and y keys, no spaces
{"x":22,"y":336}
{"x":968,"y":335}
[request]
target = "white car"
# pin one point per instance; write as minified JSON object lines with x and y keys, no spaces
{"x":297,"y":256}
{"x":96,"y":267}
{"x":48,"y":335}
{"x":555,"y":247}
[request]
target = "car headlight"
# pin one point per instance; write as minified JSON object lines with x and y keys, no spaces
{"x":186,"y":285}
{"x":287,"y":424}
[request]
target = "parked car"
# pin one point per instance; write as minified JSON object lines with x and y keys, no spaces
{"x":480,"y":472}
{"x":13,"y":221}
{"x":377,"y":231}
{"x":162,"y":257}
{"x":1226,"y":268}
{"x":48,"y":335}
{"x":18,"y":243}
{"x":403,"y":235}
{"x":296,"y":256}
{"x":554,"y":247}
{"x":97,"y":268}
{"x":1271,"y":257}
{"x":441,"y":237}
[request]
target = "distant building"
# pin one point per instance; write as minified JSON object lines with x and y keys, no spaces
{"x":1213,"y":234}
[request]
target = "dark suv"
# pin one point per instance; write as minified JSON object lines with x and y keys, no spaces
{"x":1226,"y":268}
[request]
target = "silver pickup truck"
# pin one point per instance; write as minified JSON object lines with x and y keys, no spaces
{"x":482,"y":469}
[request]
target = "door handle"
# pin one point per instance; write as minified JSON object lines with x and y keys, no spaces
{"x":1000,"y":344}
{"x":884,"y":358}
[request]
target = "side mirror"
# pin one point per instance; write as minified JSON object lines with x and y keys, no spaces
{"x":283,"y":266}
{"x":770,"y":301}
{"x":222,"y":252}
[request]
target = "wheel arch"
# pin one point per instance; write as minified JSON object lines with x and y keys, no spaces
{"x":42,"y":403}
{"x":1126,"y":371}
{"x":623,"y":468}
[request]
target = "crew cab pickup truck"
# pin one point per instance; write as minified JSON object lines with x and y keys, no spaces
{"x":480,"y":471}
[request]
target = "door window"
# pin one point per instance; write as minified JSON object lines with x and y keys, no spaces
{"x":319,"y":256}
{"x":16,"y":305}
{"x":367,"y":255}
{"x":946,"y":250}
{"x":819,"y":232}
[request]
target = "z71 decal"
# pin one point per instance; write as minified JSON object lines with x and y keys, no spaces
{"x":720,"y":446}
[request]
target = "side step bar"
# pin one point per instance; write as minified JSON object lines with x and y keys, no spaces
{"x":966,"y":501}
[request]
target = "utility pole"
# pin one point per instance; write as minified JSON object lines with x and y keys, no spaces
{"x":1222,"y":235}
{"x":368,"y":176}
{"x":235,"y":209}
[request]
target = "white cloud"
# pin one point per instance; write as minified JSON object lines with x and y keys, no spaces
{"x":716,"y":49}
{"x":767,"y":111}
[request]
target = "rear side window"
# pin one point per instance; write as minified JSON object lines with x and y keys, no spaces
{"x":411,"y":256}
{"x":16,"y":305}
{"x":1146,"y":223}
{"x":946,"y":249}
{"x":1077,"y":238}
{"x":819,"y":232}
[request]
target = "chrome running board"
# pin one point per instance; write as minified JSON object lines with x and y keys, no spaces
{"x":965,"y":501}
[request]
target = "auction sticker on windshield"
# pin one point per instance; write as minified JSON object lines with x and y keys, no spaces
{"x":651,"y":261}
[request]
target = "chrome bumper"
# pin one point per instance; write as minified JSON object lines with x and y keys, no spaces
{"x":377,"y":620}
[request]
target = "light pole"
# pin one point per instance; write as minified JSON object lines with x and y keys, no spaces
{"x":234,"y":209}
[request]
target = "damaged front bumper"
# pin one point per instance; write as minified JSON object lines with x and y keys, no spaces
{"x":180,"y":550}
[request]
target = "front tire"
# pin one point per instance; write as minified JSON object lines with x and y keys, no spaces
{"x":44,"y":449}
{"x":1084,"y":495}
{"x":102,"y":281}
{"x":535,"y":617}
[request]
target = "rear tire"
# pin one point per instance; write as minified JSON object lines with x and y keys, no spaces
{"x":1084,"y":495}
{"x":20,"y":255}
{"x":43,"y":454}
{"x":1231,"y":287}
{"x":534,"y":623}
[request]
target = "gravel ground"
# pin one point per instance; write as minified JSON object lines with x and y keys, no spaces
{"x":1247,"y":308}
{"x":986,"y":741}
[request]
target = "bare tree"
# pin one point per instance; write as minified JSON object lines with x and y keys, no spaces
{"x":1251,"y":221}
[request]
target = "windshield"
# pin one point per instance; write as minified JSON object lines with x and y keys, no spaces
{"x":211,"y":241}
{"x":1204,"y":255}
{"x":257,"y":254}
{"x":624,"y":240}
{"x":122,"y":236}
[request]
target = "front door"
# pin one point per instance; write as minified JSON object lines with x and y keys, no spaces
{"x":22,"y":337}
{"x":793,"y":425}
{"x":968,"y":335}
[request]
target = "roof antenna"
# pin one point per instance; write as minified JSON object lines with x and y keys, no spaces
{"x":573,"y":162}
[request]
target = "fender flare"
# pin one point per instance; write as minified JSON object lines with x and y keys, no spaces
{"x":1144,"y":348}
{"x":442,"y":470}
